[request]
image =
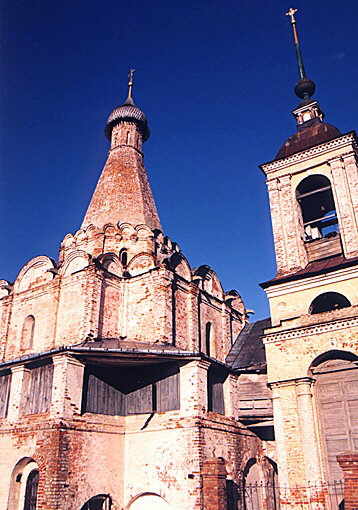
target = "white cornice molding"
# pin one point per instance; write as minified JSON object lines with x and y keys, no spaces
{"x":315,"y":329}
{"x":310,"y":282}
{"x":348,"y":139}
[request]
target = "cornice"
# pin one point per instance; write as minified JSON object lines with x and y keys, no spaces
{"x":348,"y":138}
{"x":315,"y":329}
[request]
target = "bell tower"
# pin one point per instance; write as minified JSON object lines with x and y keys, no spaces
{"x":312,"y":344}
{"x":313,"y":189}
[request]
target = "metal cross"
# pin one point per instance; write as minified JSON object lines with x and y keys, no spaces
{"x":291,"y":12}
{"x":131,"y":77}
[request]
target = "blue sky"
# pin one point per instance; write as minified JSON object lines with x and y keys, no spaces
{"x":216,"y":82}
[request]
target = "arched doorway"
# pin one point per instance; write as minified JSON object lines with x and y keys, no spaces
{"x":24,"y":485}
{"x":260,"y":488}
{"x":149,"y":501}
{"x":336,"y":397}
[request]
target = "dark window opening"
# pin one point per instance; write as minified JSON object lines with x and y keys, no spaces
{"x":99,"y":502}
{"x":314,"y":194}
{"x":208,"y":337}
{"x":216,"y":379}
{"x":328,"y":302}
{"x":124,"y":258}
{"x":131,"y":390}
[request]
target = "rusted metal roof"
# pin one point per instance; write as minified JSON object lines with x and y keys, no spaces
{"x":315,"y":133}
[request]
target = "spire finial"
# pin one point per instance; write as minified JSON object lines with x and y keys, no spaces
{"x":305,"y":87}
{"x":129,"y":99}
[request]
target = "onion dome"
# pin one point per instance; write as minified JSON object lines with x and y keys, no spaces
{"x":128,"y":112}
{"x":305,"y":88}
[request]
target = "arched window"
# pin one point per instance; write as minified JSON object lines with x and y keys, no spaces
{"x":314,"y":194}
{"x":27,"y":334}
{"x":328,"y":302}
{"x":128,"y":138}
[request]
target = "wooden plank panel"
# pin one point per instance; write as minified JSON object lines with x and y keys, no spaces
{"x":5,"y":382}
{"x":140,"y":401}
{"x":168,"y":398}
{"x":102,"y":398}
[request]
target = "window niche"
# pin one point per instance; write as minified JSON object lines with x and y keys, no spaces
{"x":27,"y":333}
{"x":126,"y":391}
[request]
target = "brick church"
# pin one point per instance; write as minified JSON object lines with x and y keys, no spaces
{"x":131,"y":380}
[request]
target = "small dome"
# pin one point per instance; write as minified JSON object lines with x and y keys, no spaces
{"x":316,"y":133}
{"x":127,"y":112}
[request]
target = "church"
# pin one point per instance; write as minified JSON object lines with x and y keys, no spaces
{"x":131,"y":380}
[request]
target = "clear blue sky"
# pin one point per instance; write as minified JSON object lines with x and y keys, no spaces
{"x":216,"y":82}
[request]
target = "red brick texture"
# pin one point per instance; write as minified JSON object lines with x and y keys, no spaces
{"x":214,"y":484}
{"x":349,"y":464}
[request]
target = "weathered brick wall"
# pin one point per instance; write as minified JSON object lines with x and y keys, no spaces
{"x":349,"y":464}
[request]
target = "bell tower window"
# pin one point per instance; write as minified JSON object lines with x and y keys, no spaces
{"x":328,"y":302}
{"x":314,"y":194}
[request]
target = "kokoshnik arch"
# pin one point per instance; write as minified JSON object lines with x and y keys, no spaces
{"x":129,"y":379}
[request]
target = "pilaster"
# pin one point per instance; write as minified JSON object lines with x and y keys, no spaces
{"x":344,"y":207}
{"x":193,"y":388}
{"x":231,"y":396}
{"x":66,"y":387}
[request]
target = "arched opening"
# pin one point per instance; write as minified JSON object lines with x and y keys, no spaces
{"x":260,"y":485}
{"x":315,"y":197}
{"x":328,"y":302}
{"x":27,"y":334}
{"x":24,"y":485}
{"x":98,"y":502}
{"x":336,"y":400}
{"x":148,"y":501}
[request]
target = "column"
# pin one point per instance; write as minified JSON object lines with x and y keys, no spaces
{"x":193,"y":388}
{"x":19,"y":382}
{"x":308,"y":430}
{"x":67,"y":386}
